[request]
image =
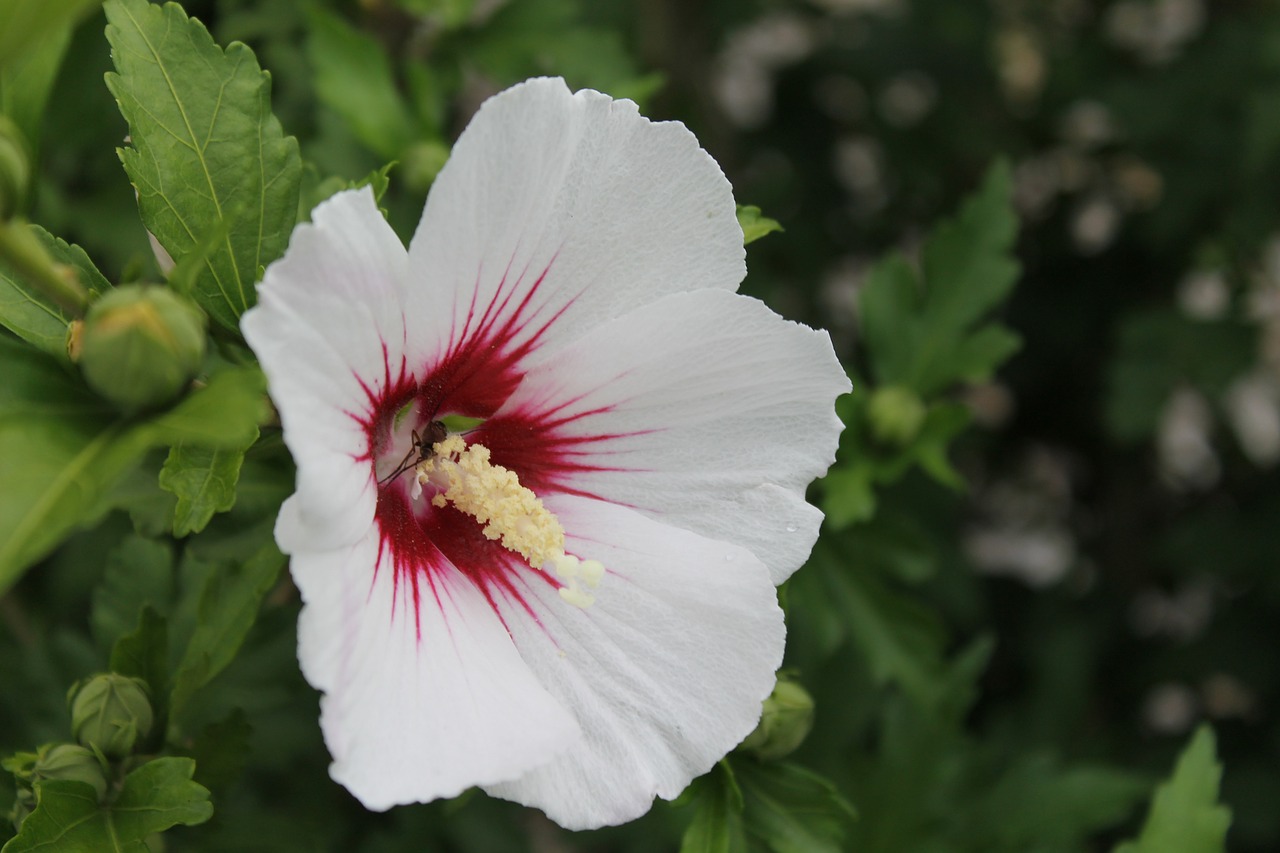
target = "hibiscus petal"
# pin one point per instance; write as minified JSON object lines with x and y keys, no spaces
{"x":703,"y":410}
{"x":423,"y":706}
{"x":570,"y":208}
{"x":329,"y":332}
{"x":665,"y":672}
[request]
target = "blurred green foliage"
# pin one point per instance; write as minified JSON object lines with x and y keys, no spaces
{"x":1044,"y":566}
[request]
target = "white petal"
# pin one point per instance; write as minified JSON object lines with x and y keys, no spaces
{"x":616,"y":210}
{"x":665,"y":671}
{"x":329,"y":332}
{"x":705,"y":411}
{"x":409,"y":717}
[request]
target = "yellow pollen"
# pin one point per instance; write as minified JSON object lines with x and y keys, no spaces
{"x":493,"y":496}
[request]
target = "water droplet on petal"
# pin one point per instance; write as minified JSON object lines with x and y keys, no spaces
{"x":791,"y":528}
{"x":728,"y":558}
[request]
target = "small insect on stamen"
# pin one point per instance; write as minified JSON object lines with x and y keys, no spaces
{"x":422,"y":449}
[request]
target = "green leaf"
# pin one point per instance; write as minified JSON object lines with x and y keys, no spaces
{"x":62,"y":449}
{"x":24,"y":24}
{"x":29,"y":313}
{"x":139,"y":573}
{"x":754,"y":225}
{"x":847,"y":495}
{"x":229,"y":606}
{"x":921,"y":327}
{"x":204,"y":479}
{"x":1038,"y":804}
{"x":221,"y":750}
{"x":206,"y":153}
{"x":354,"y":78}
{"x":145,"y":654}
{"x":901,"y":639}
{"x":717,"y":822}
{"x":26,"y":82}
{"x":791,"y":809}
{"x":155,"y":797}
{"x":1185,"y":816}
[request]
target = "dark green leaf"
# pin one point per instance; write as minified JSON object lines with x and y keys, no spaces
{"x":206,"y":153}
{"x":139,"y":572}
{"x":717,"y":821}
{"x":228,"y":608}
{"x":145,"y":654}
{"x":155,"y":797}
{"x":791,"y":809}
{"x":1185,"y":816}
{"x":221,"y":750}
{"x":919,"y":326}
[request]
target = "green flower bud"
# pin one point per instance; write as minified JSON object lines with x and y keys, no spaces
{"x":140,"y":345}
{"x":784,"y":723}
{"x":896,"y":415}
{"x":69,"y":761}
{"x":15,"y":169}
{"x":111,"y":712}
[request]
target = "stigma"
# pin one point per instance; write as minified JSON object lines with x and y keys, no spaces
{"x":511,"y":514}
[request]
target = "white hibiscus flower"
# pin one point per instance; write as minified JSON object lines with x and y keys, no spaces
{"x":571,"y":603}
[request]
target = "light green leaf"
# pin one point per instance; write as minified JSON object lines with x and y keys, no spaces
{"x":24,"y":24}
{"x":155,"y":797}
{"x":206,"y":152}
{"x":717,"y":822}
{"x":29,"y":313}
{"x":204,"y":479}
{"x":228,"y":608}
{"x":791,"y":809}
{"x":139,"y":572}
{"x":354,"y":78}
{"x":1185,"y":816}
{"x":62,"y":449}
{"x":26,"y":82}
{"x":754,"y":225}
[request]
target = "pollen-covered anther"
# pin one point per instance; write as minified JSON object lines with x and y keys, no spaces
{"x":493,"y":496}
{"x":575,"y":573}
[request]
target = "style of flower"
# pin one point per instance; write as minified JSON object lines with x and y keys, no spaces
{"x":550,"y":467}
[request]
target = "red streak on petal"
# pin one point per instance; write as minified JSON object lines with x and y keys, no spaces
{"x":474,"y":376}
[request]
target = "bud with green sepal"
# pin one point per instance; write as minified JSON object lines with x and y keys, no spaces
{"x":785,"y":722}
{"x":71,"y":762}
{"x":112,"y":713}
{"x":141,"y":345}
{"x":896,"y":415}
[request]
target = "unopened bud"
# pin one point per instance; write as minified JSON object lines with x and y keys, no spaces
{"x":71,"y":762}
{"x":784,"y":723}
{"x":896,"y":415}
{"x":140,"y":345}
{"x":15,"y":169}
{"x":111,"y":712}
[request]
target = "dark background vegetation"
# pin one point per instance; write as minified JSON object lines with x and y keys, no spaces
{"x":1108,"y":577}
